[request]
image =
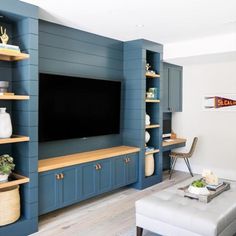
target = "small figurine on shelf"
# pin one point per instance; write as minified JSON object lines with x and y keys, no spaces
{"x":4,"y":37}
{"x":147,"y":67}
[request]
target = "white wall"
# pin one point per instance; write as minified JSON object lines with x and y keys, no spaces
{"x":216,"y":130}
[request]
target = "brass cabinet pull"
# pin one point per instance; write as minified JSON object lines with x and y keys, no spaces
{"x":129,"y":159}
{"x":61,"y":176}
{"x":96,"y":167}
{"x":100,"y":167}
{"x":126,"y":160}
{"x":57,"y":176}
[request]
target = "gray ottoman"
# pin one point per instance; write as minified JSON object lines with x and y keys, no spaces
{"x":168,"y":213}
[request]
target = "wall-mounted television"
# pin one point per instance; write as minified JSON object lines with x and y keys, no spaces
{"x":76,"y":107}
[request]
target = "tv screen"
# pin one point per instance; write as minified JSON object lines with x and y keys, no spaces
{"x":75,"y":107}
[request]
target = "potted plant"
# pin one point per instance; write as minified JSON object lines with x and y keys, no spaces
{"x":198,"y":187}
{"x":6,"y":166}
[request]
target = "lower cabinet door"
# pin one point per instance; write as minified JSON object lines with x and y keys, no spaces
{"x":132,"y":168}
{"x":88,"y":180}
{"x":119,"y":167}
{"x":68,"y":186}
{"x":48,"y":192}
{"x":104,"y":176}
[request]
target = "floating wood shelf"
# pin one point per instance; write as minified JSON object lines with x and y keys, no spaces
{"x":83,"y":157}
{"x":10,"y":55}
{"x":152,"y":152}
{"x":152,"y":126}
{"x":151,"y":75}
{"x":14,"y":139}
{"x":14,"y":97}
{"x":152,"y":100}
{"x":14,"y":180}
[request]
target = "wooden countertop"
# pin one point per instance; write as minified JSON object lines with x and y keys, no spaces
{"x":175,"y":141}
{"x":83,"y":157}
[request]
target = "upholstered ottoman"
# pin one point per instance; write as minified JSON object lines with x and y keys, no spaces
{"x":168,"y":213}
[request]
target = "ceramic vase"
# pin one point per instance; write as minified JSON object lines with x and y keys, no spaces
{"x":149,"y":165}
{"x":147,"y":119}
{"x":147,"y":137}
{"x":3,"y":178}
{"x":5,"y":124}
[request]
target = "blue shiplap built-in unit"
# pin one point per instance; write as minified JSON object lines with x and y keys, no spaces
{"x":136,"y":54}
{"x":21,"y":21}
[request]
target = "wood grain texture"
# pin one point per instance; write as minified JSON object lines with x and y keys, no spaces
{"x":14,"y":97}
{"x":175,"y":141}
{"x":14,"y":139}
{"x":112,"y":214}
{"x":153,"y":151}
{"x":18,"y":179}
{"x":152,"y":100}
{"x":152,"y":126}
{"x":12,"y":56}
{"x":83,"y":157}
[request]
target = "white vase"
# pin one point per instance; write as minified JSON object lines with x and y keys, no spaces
{"x":5,"y":124}
{"x":147,"y":137}
{"x":147,"y":121}
{"x":149,"y":165}
{"x":3,"y":178}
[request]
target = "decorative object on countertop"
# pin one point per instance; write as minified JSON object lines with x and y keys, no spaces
{"x":6,"y":166}
{"x":5,"y":124}
{"x":209,"y":177}
{"x":147,"y":67}
{"x":147,"y":119}
{"x":149,"y":95}
{"x":9,"y":205}
{"x":173,"y":135}
{"x":149,"y":165}
{"x":4,"y":37}
{"x":153,"y":91}
{"x":4,"y":86}
{"x":198,"y":187}
{"x":147,"y":137}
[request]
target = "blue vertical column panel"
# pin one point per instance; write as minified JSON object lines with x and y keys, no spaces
{"x":25,"y":114}
{"x":134,"y":101}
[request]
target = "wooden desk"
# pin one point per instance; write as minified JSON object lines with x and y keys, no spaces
{"x":176,"y":143}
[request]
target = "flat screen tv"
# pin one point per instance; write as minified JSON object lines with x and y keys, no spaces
{"x":75,"y":107}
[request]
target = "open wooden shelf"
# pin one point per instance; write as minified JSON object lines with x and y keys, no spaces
{"x":150,"y":75}
{"x":152,"y":126}
{"x":152,"y":100}
{"x":84,"y":157}
{"x":14,"y":139}
{"x":14,"y":180}
{"x":14,"y":97}
{"x":10,"y":55}
{"x":152,"y":152}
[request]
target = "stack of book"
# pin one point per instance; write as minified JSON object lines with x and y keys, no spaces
{"x":9,"y":48}
{"x":214,"y":187}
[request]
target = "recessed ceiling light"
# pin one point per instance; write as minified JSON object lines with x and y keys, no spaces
{"x":139,"y":25}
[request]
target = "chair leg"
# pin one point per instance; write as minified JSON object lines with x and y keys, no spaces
{"x":188,"y":165}
{"x":172,"y":166}
{"x":139,"y":231}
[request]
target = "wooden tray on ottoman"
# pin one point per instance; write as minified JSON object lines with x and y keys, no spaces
{"x":204,"y":198}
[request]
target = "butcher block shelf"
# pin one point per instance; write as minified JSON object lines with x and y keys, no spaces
{"x":14,"y":179}
{"x":14,"y":97}
{"x":83,"y":157}
{"x":14,"y":139}
{"x":10,"y":55}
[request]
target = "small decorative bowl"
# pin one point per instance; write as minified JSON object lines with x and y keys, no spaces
{"x":198,"y":191}
{"x":4,"y":86}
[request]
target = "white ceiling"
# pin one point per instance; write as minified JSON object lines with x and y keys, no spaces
{"x":163,"y":21}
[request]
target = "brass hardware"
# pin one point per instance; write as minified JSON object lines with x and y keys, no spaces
{"x":100,"y":167}
{"x":96,"y":167}
{"x":61,"y":176}
{"x":126,"y":160}
{"x":57,"y":176}
{"x":129,"y":159}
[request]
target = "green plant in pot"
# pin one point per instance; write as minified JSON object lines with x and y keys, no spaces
{"x":6,"y":166}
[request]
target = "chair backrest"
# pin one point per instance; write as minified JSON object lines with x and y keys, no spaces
{"x":193,"y":146}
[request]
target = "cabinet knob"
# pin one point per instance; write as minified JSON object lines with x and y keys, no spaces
{"x":57,"y":176}
{"x":61,"y":176}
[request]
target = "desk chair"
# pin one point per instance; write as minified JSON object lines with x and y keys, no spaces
{"x":175,"y":155}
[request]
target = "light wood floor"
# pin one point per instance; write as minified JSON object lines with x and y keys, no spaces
{"x":110,"y":215}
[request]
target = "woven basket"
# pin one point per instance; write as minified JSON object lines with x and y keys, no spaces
{"x":9,"y":205}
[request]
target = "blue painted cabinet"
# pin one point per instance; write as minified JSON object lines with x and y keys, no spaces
{"x":57,"y":189}
{"x":125,"y":170}
{"x":65,"y":186}
{"x":172,"y":88}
